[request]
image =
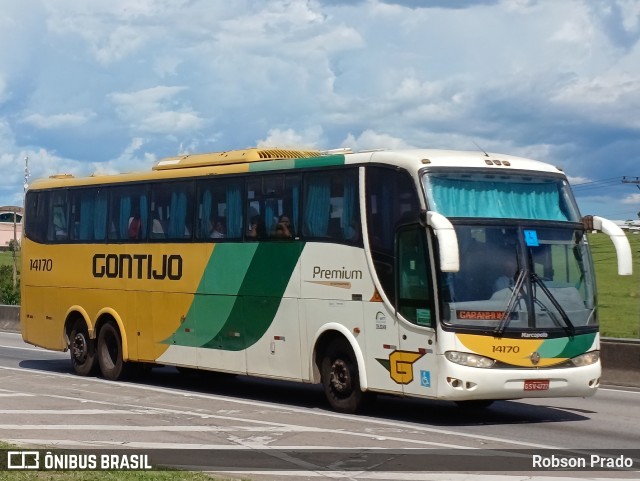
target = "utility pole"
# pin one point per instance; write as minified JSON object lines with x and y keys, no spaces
{"x":631,"y":180}
{"x":27,"y":174}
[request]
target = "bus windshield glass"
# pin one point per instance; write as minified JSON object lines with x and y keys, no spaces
{"x":518,"y":278}
{"x":500,"y":196}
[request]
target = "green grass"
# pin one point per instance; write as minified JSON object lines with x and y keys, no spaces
{"x":6,"y":258}
{"x":618,"y":296}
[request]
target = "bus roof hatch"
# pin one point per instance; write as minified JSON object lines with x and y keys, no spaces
{"x":232,"y":157}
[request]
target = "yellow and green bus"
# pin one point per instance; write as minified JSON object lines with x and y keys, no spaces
{"x":461,"y":276}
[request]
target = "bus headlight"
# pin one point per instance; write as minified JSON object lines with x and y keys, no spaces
{"x":468,"y":359}
{"x":586,"y":359}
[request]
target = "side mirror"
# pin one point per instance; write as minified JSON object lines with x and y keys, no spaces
{"x":447,"y":241}
{"x":618,"y":237}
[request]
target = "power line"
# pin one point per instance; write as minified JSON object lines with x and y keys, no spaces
{"x":597,"y":186}
{"x":596,"y":181}
{"x":636,"y":180}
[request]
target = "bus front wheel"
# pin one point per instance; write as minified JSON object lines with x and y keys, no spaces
{"x":110,"y":352}
{"x":340,"y":378}
{"x":82,"y":349}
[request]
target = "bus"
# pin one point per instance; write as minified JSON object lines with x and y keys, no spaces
{"x":460,"y":276}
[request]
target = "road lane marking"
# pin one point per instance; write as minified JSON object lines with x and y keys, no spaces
{"x":182,"y":428}
{"x":260,"y":404}
{"x":34,"y":348}
{"x":72,"y":412}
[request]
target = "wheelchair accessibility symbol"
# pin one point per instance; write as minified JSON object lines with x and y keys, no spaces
{"x":425,"y":378}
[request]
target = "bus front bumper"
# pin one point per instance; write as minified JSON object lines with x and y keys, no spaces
{"x":458,"y":383}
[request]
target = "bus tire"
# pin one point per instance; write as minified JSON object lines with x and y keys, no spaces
{"x":474,"y":405}
{"x":110,"y":352}
{"x":340,"y":378}
{"x":82,"y":349}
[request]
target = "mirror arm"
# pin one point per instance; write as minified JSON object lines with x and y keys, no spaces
{"x":447,"y":241}
{"x":619,"y":239}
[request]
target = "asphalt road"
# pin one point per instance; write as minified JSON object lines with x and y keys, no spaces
{"x":43,"y":404}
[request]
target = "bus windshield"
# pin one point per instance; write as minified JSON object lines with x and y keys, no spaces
{"x":492,"y":195}
{"x":518,"y":278}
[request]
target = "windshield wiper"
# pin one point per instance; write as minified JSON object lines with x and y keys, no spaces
{"x":568,"y":327}
{"x":513,"y":299}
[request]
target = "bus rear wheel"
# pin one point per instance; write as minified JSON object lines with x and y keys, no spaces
{"x":340,"y":378}
{"x":110,"y":352}
{"x":82,"y":350}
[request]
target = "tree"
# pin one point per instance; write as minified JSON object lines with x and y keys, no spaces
{"x":9,"y":294}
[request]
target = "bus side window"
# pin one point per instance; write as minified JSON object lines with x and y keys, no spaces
{"x":331,"y":206}
{"x":273,"y":202}
{"x":172,"y":210}
{"x":414,"y":286}
{"x":128,"y":213}
{"x":59,"y":226}
{"x":88,"y":214}
{"x":391,"y":199}
{"x":36,"y":209}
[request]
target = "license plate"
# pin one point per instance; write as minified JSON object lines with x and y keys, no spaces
{"x":536,"y":385}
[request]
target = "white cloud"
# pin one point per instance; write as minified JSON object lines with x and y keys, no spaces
{"x":156,"y":110}
{"x":309,"y":139}
{"x":130,"y":160}
{"x":630,"y":14}
{"x":578,"y":180}
{"x":369,"y":139}
{"x":4,"y":94}
{"x":58,"y":120}
{"x":633,"y":199}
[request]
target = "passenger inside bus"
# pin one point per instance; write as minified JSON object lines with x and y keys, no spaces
{"x":217,"y":231}
{"x":157,"y":229}
{"x":256,"y":228}
{"x":283,"y":228}
{"x":508,"y":268}
{"x":134,"y":225}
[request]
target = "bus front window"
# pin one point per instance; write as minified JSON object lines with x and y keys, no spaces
{"x":517,"y":278}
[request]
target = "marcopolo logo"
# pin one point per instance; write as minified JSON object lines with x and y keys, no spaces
{"x":137,"y":266}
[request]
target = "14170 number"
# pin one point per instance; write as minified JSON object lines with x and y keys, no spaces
{"x":41,"y":265}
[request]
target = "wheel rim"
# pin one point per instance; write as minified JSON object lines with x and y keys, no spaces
{"x":340,"y":379}
{"x":80,"y":348}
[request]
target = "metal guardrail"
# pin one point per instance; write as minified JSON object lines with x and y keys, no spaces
{"x":620,"y":357}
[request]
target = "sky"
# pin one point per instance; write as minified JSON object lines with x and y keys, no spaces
{"x":114,"y":86}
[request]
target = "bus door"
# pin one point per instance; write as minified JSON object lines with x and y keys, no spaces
{"x":382,"y":341}
{"x":415,"y":360}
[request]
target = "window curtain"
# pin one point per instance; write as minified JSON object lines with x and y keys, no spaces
{"x":234,"y":211}
{"x":86,"y":218}
{"x":125,"y":215}
{"x":461,"y":198}
{"x":144,"y":216}
{"x":270,"y":213}
{"x":100,"y":216}
{"x":178,"y":215}
{"x":296,"y":209}
{"x":348,"y":208}
{"x":317,"y":205}
{"x":205,"y":214}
